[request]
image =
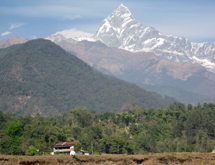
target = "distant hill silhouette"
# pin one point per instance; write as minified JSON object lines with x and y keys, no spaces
{"x":11,"y":41}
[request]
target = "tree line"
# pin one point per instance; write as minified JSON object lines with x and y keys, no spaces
{"x":134,"y":130}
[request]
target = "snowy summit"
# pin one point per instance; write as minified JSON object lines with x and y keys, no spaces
{"x":121,"y":30}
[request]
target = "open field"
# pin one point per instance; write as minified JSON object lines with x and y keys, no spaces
{"x":152,"y":159}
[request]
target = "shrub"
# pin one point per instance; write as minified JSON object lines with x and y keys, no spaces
{"x":31,"y":151}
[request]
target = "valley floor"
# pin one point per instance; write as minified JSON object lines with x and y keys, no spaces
{"x":151,"y":159}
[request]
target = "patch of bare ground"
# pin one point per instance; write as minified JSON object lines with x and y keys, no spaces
{"x":152,"y":159}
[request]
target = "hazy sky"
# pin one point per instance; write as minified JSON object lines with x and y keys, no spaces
{"x":192,"y":19}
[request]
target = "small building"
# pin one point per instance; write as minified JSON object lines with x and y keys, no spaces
{"x":68,"y":148}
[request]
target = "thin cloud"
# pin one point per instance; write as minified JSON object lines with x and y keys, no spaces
{"x":34,"y":37}
{"x":45,"y":11}
{"x":6,"y":33}
{"x":16,"y":25}
{"x":69,"y":33}
{"x":72,"y":16}
{"x":70,"y":10}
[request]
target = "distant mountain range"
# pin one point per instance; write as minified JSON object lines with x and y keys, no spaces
{"x":121,"y":30}
{"x":140,"y":54}
{"x":150,"y":71}
{"x":127,"y":49}
{"x":11,"y":41}
{"x":39,"y":77}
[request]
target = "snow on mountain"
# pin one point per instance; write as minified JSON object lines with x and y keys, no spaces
{"x":56,"y":38}
{"x":78,"y":39}
{"x":121,"y":30}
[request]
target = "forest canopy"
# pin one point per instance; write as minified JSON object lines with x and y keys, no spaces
{"x":135,"y":130}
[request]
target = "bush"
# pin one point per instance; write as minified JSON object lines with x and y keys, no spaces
{"x":121,"y":125}
{"x":57,"y":153}
{"x":31,"y":151}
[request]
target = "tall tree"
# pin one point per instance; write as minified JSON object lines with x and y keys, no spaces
{"x":116,"y":144}
{"x":15,"y":132}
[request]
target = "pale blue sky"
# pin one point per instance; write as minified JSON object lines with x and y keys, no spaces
{"x":192,"y":19}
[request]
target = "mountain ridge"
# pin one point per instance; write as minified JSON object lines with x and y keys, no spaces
{"x":11,"y":41}
{"x":39,"y":77}
{"x":121,"y":30}
{"x":144,"y":68}
{"x":166,"y":47}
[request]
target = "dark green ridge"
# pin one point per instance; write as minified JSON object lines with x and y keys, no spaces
{"x":40,"y":77}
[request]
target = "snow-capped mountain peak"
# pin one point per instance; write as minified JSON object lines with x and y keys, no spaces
{"x":116,"y":22}
{"x":56,"y":38}
{"x":122,"y":12}
{"x":121,"y":30}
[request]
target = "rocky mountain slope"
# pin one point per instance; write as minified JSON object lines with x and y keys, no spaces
{"x":39,"y":77}
{"x":11,"y":41}
{"x":146,"y":68}
{"x":178,"y":64}
{"x":121,"y":30}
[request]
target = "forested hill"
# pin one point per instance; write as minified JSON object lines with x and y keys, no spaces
{"x":39,"y":77}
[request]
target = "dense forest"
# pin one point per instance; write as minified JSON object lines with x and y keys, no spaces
{"x":135,"y":130}
{"x":40,"y":77}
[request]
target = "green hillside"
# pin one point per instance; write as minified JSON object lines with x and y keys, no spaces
{"x":39,"y":77}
